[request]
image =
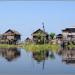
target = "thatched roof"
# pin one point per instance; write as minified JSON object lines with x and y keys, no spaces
{"x":11,"y":32}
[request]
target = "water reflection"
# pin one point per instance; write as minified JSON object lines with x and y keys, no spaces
{"x":9,"y":53}
{"x":68,"y":55}
{"x":41,"y":56}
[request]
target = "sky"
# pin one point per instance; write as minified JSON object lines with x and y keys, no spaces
{"x":27,"y":16}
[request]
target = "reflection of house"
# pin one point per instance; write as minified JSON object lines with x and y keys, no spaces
{"x":10,"y":37}
{"x":69,"y":33}
{"x":39,"y":36}
{"x":9,"y":53}
{"x":40,"y":55}
{"x":68,"y":55}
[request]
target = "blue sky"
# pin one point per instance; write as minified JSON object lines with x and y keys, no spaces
{"x":27,"y":16}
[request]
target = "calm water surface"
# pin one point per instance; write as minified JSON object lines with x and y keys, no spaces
{"x":18,"y":61}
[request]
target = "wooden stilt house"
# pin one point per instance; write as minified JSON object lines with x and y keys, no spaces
{"x":40,"y":37}
{"x":10,"y":37}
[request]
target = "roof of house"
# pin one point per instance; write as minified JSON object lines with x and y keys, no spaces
{"x":69,"y":30}
{"x":11,"y":32}
{"x":40,"y":31}
{"x":59,"y":36}
{"x":27,"y":38}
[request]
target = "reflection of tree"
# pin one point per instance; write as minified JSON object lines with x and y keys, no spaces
{"x":40,"y":55}
{"x":9,"y":53}
{"x":43,"y":55}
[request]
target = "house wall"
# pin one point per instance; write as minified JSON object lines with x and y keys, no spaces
{"x":10,"y":37}
{"x":66,"y":37}
{"x":40,"y":39}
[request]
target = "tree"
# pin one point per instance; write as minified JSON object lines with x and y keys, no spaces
{"x":52,"y":35}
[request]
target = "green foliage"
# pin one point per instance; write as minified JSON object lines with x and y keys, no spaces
{"x":52,"y":35}
{"x":71,"y":45}
{"x":33,"y":47}
{"x":7,"y":46}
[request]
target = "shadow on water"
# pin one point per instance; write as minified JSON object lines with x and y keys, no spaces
{"x":9,"y":53}
{"x":42,"y":56}
{"x":68,"y":55}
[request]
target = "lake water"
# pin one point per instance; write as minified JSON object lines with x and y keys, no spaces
{"x":18,"y":61}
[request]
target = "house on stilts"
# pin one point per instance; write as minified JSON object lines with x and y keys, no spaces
{"x":10,"y":37}
{"x":40,"y":36}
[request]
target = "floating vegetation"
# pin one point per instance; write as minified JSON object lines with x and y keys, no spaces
{"x":33,"y":47}
{"x":7,"y":46}
{"x":36,"y":47}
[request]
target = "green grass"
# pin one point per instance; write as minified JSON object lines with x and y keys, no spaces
{"x":34,"y":47}
{"x":7,"y":46}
